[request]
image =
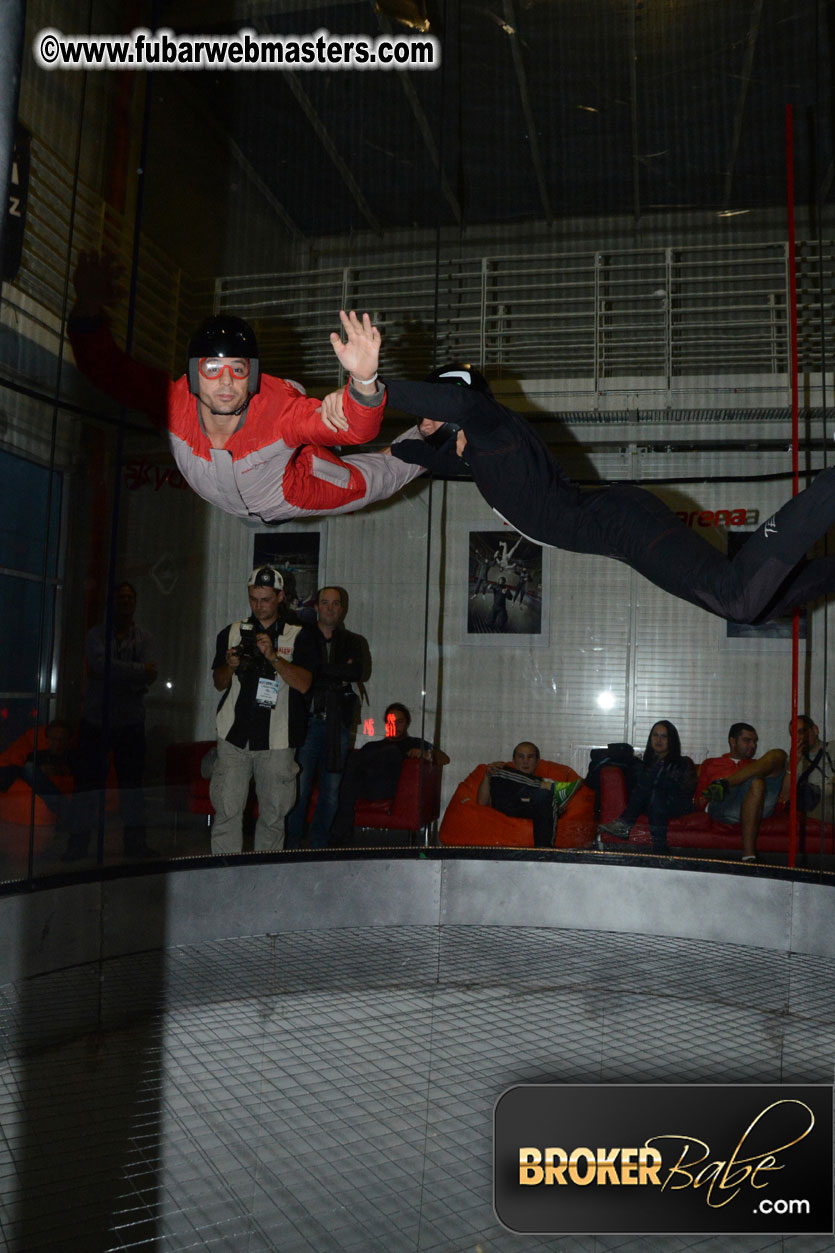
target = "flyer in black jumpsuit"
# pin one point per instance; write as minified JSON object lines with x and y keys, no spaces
{"x":518,"y":476}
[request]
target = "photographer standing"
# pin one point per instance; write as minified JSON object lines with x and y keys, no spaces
{"x":263,"y":666}
{"x":334,"y":709}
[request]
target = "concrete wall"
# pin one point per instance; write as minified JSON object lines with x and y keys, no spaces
{"x":61,"y":928}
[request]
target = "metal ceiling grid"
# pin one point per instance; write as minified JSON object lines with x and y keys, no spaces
{"x":538,"y":112}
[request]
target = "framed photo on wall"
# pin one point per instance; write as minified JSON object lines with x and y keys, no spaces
{"x":297,"y":555}
{"x":506,"y":588}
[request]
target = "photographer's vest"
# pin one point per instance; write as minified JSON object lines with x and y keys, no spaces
{"x":280,"y":714}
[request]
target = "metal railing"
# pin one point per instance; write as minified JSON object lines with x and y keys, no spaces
{"x":665,"y":313}
{"x":662,"y":313}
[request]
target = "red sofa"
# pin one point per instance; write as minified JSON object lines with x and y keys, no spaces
{"x":698,"y":830}
{"x":415,"y":806}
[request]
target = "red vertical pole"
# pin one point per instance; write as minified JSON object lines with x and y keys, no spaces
{"x":793,"y":367}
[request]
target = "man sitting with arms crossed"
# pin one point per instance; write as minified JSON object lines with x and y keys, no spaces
{"x":741,"y":788}
{"x":373,"y":771}
{"x":516,"y":790}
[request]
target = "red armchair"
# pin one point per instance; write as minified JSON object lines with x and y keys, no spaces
{"x":415,"y":806}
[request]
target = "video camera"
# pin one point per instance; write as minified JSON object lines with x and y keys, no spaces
{"x":248,"y":651}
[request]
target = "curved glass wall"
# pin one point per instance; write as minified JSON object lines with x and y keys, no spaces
{"x":588,"y":207}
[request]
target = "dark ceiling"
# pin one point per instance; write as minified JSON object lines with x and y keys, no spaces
{"x":541,"y":110}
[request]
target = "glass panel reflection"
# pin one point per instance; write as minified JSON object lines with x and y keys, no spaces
{"x":603,"y":259}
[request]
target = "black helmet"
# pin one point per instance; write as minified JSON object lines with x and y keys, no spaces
{"x":462,"y":375}
{"x":223,"y":336}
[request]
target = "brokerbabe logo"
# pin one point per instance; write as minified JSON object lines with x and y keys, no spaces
{"x":664,"y":1158}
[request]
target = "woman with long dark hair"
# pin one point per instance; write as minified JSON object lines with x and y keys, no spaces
{"x":664,"y":789}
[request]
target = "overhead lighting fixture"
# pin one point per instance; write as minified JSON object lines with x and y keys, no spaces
{"x":731,"y":213}
{"x":500,"y":22}
{"x":588,"y":108}
{"x":411,"y":13}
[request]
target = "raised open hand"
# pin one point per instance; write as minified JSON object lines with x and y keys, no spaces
{"x":359,"y":352}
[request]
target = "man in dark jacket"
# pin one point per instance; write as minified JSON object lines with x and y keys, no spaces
{"x":344,"y":659}
{"x":373,"y":772}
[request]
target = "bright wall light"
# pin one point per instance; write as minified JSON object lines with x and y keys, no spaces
{"x":606,"y":700}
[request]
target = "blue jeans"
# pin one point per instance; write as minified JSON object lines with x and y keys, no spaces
{"x":313,"y":759}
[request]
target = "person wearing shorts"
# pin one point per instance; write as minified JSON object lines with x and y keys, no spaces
{"x":740,"y":787}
